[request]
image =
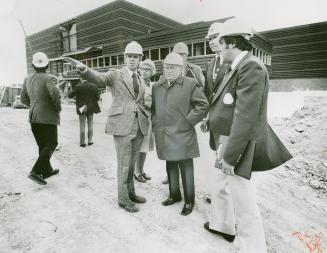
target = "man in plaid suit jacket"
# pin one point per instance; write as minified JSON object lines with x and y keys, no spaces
{"x":127,"y":120}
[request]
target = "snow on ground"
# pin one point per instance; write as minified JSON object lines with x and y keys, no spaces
{"x":77,"y":211}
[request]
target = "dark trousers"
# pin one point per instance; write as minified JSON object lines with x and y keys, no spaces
{"x":186,"y":169}
{"x":46,"y":137}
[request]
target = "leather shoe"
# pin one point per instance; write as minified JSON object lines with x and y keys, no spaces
{"x":227,"y":237}
{"x":83,"y":145}
{"x":145,"y":176}
{"x":52,"y":173}
{"x":37,"y":178}
{"x":129,"y":208}
{"x":140,"y":178}
{"x":187,"y":209}
{"x":90,"y":143}
{"x":171,"y":201}
{"x":208,"y":200}
{"x":138,"y":199}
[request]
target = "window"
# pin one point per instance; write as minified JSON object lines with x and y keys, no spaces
{"x":107,"y":61}
{"x":154,"y":54}
{"x":73,"y":38}
{"x":120,"y":59}
{"x":69,"y":38}
{"x":164,"y":52}
{"x":146,"y":55}
{"x":114,"y":60}
{"x":208,"y":49}
{"x":101,"y":62}
{"x":189,"y":46}
{"x":95,"y":63}
{"x":89,"y":63}
{"x":198,"y":49}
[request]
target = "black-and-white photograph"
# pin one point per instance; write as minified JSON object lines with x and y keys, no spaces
{"x":147,"y":126}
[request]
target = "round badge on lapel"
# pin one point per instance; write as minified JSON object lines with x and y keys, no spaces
{"x":228,"y":99}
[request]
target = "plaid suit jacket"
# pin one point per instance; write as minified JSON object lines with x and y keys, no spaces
{"x":125,"y":106}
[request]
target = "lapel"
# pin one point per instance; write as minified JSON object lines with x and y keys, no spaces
{"x":127,"y":80}
{"x":227,"y":78}
{"x":142,"y":87}
{"x":220,"y":75}
{"x":209,"y":74}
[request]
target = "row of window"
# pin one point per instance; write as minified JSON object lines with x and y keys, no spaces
{"x":195,"y":49}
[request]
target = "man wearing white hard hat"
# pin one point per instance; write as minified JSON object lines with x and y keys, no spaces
{"x":41,"y":94}
{"x":189,"y":69}
{"x":246,"y":142}
{"x":127,"y":118}
{"x":216,"y":70}
{"x":178,"y":104}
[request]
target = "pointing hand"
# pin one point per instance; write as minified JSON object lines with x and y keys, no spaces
{"x":80,"y":66}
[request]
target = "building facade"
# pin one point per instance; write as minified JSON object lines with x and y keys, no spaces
{"x":98,"y":38}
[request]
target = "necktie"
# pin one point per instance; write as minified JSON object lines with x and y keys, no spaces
{"x":215,"y":69}
{"x":135,"y":85}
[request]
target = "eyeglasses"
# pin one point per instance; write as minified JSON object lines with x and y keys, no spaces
{"x":145,"y":69}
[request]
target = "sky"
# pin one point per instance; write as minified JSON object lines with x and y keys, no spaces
{"x":37,"y":15}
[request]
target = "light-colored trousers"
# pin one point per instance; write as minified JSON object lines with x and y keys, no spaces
{"x":234,"y":209}
{"x":82,"y":121}
{"x":128,"y":149}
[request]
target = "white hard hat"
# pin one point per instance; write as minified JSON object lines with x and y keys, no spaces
{"x":215,"y":28}
{"x":133,"y":48}
{"x":149,"y":64}
{"x":40,"y":60}
{"x":236,"y":26}
{"x":180,"y":48}
{"x":174,"y":59}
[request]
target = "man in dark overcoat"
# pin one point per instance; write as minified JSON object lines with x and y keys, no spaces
{"x":178,"y":105}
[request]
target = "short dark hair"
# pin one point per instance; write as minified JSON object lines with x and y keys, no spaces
{"x":239,"y":41}
{"x":44,"y":69}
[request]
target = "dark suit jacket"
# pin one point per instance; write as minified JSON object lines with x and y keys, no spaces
{"x":212,"y":85}
{"x":86,"y":94}
{"x":125,"y":106}
{"x":41,"y":94}
{"x":239,"y":110}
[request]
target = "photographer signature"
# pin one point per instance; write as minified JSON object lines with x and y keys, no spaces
{"x":312,"y":241}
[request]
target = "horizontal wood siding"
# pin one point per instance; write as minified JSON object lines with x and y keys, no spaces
{"x":299,"y":52}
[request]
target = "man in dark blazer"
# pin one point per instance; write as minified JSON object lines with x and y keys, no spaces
{"x":41,"y":94}
{"x":178,"y":104}
{"x":87,"y":97}
{"x":127,"y":119}
{"x":215,"y":70}
{"x":245,"y":141}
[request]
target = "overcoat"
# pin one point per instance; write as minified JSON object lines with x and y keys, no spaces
{"x":239,"y":110}
{"x":176,"y":109}
{"x":41,"y":94}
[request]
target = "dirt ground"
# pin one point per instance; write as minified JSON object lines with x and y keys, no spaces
{"x":77,"y":211}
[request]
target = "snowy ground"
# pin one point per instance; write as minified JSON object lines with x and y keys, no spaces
{"x":77,"y":211}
